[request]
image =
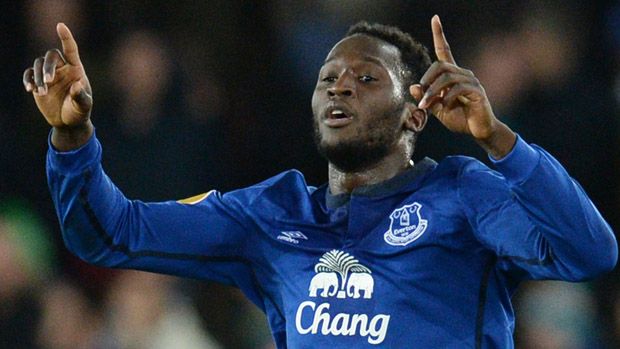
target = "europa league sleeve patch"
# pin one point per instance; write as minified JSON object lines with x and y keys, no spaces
{"x":195,"y":199}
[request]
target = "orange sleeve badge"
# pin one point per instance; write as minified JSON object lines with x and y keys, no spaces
{"x":195,"y":199}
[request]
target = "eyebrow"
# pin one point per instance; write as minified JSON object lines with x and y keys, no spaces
{"x":369,"y":59}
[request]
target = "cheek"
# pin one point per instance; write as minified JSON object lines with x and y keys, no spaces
{"x":380,"y":105}
{"x":316,"y":102}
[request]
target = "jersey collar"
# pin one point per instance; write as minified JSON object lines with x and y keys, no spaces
{"x":390,"y":186}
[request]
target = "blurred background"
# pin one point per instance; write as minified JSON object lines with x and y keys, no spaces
{"x":195,"y":95}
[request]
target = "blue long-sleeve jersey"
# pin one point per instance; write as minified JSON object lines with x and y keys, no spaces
{"x":428,"y":259}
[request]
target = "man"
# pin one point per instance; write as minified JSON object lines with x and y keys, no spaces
{"x":388,"y":253}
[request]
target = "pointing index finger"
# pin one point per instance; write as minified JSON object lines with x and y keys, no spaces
{"x":442,"y":49}
{"x":69,"y":46}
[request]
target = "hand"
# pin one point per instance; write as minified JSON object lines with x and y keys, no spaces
{"x":456,"y":97}
{"x":62,"y":92}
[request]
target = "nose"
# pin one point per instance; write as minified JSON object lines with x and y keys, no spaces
{"x":342,"y":87}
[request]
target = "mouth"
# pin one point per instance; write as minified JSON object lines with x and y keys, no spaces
{"x":337,"y":117}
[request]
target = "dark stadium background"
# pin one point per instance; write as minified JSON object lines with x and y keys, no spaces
{"x":191,"y":96}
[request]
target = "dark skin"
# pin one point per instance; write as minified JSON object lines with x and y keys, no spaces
{"x":360,"y":77}
{"x":454,"y":95}
{"x":457,"y":98}
{"x":62,"y":92}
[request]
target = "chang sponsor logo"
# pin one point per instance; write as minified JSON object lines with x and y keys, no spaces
{"x":339,"y":275}
{"x":341,"y":324}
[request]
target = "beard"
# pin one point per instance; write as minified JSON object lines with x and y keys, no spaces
{"x":373,"y":143}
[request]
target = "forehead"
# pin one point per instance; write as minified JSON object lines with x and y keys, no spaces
{"x":365,"y":48}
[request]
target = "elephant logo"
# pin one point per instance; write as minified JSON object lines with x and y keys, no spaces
{"x":340,"y":274}
{"x":406,"y":225}
{"x":360,"y":282}
{"x":324,"y":281}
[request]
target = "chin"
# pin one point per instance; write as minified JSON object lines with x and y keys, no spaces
{"x":350,"y":149}
{"x":352,"y":156}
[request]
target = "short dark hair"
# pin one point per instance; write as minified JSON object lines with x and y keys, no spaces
{"x":414,"y":55}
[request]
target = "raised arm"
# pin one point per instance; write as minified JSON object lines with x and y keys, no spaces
{"x":203,"y":239}
{"x":535,"y":217}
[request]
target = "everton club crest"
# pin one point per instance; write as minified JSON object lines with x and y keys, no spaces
{"x":406,"y":225}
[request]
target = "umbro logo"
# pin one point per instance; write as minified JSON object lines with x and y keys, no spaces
{"x":292,"y":236}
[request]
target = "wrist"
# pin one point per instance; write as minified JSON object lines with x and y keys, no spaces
{"x":499,"y":141}
{"x":71,"y":138}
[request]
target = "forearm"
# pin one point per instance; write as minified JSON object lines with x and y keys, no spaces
{"x":581,"y":242}
{"x":73,"y":177}
{"x":101,"y":226}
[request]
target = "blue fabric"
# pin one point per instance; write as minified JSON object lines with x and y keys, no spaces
{"x":429,"y":263}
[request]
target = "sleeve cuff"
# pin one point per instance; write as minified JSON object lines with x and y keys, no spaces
{"x":519,"y":163}
{"x":74,"y":160}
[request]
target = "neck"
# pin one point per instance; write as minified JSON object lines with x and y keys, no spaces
{"x":388,"y":167}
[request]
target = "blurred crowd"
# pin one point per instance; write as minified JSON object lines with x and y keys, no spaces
{"x":191,"y":96}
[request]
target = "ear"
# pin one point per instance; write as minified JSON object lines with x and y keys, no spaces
{"x":415,"y":118}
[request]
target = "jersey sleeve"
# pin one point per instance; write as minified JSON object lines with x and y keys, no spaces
{"x":537,"y":220}
{"x":204,"y":239}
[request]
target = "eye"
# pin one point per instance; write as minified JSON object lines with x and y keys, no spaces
{"x":329,"y":79}
{"x":367,"y":78}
